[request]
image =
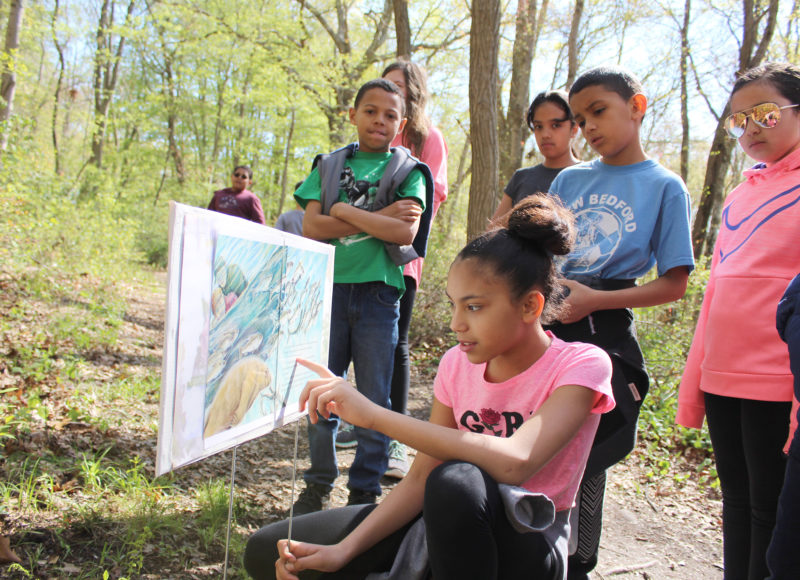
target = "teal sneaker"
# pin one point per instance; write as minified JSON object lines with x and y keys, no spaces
{"x":346,"y":436}
{"x":398,"y":460}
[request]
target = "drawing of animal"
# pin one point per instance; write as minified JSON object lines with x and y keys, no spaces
{"x":238,"y":390}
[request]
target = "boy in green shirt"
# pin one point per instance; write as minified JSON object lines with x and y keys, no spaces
{"x":367,"y":284}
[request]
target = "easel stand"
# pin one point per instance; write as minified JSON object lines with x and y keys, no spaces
{"x":233,"y":478}
{"x":230,"y":514}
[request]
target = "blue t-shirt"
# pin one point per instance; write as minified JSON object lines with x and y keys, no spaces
{"x":627,"y":218}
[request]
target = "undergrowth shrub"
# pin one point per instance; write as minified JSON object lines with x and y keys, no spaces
{"x":665,"y":334}
{"x":152,"y":239}
{"x":430,"y":335}
{"x":46,"y":235}
{"x":61,"y":262}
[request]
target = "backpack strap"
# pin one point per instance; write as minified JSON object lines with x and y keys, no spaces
{"x":397,"y":170}
{"x":330,"y":166}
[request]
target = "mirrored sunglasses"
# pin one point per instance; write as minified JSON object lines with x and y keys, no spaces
{"x":765,"y":115}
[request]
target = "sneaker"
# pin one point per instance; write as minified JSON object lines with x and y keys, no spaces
{"x":359,"y":497}
{"x":346,"y":436}
{"x":398,"y":460}
{"x":315,"y":497}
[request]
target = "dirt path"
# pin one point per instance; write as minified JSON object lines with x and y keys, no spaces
{"x":647,"y":535}
{"x":654,"y":528}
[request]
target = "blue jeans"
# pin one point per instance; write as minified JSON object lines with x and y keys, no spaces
{"x":364,"y":330}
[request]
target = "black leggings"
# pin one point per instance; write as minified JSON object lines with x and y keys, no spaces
{"x":748,"y":438}
{"x":401,"y":376}
{"x":325,"y":527}
{"x":469,"y":535}
{"x":467,"y":531}
{"x":586,"y":521}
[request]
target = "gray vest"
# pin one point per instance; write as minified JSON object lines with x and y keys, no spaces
{"x":330,"y":166}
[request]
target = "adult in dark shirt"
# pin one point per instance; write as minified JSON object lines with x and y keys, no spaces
{"x":237,"y":200}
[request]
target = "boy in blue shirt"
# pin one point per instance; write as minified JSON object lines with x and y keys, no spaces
{"x":367,"y":286}
{"x":631,"y":214}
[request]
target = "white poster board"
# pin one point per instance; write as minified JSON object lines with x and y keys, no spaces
{"x":243,"y":301}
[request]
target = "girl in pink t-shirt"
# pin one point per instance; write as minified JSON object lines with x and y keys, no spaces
{"x":514,"y":414}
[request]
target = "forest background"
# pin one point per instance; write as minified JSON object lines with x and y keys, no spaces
{"x":111,"y":108}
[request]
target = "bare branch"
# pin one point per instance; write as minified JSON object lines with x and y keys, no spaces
{"x":341,"y":43}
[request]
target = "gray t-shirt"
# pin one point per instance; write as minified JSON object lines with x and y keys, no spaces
{"x":530,"y":180}
{"x":291,"y":221}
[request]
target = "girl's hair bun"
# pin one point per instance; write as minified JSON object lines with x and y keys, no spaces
{"x":542,"y":220}
{"x":521,"y":247}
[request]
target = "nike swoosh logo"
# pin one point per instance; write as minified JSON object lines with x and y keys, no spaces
{"x":779,"y":198}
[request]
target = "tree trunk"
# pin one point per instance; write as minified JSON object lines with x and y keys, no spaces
{"x":163,"y":179}
{"x":222,"y":85}
{"x":201,"y":127}
{"x":174,"y":148}
{"x":8,"y":80}
{"x":170,"y":94}
{"x":572,"y":42}
{"x":685,"y":91}
{"x":483,"y":74}
{"x":106,"y":73}
{"x":285,"y":173}
{"x":713,"y":189}
{"x":751,"y":54}
{"x":513,"y":128}
{"x":242,"y":113}
{"x":402,"y":27}
{"x":57,"y":92}
{"x":172,"y":119}
{"x":101,"y":103}
{"x":455,"y":191}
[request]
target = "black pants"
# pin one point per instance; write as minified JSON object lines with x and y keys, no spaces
{"x":325,"y":527}
{"x":783,"y":555}
{"x":467,"y":532}
{"x":586,"y":521}
{"x":401,"y":377}
{"x":469,"y":535}
{"x":613,"y":331}
{"x":748,"y":438}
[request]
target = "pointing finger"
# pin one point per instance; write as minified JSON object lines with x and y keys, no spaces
{"x":315,"y":367}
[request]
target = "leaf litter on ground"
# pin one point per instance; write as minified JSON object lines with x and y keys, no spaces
{"x":99,"y":423}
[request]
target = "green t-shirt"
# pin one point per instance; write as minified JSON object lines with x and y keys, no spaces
{"x":362,"y":257}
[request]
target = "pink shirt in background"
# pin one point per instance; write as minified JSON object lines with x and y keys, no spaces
{"x":434,"y":155}
{"x":499,"y":409}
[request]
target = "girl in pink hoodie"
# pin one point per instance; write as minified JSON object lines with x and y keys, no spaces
{"x":737,"y":373}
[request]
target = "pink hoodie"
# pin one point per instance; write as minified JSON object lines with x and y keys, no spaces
{"x":434,"y":155}
{"x":736,"y":350}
